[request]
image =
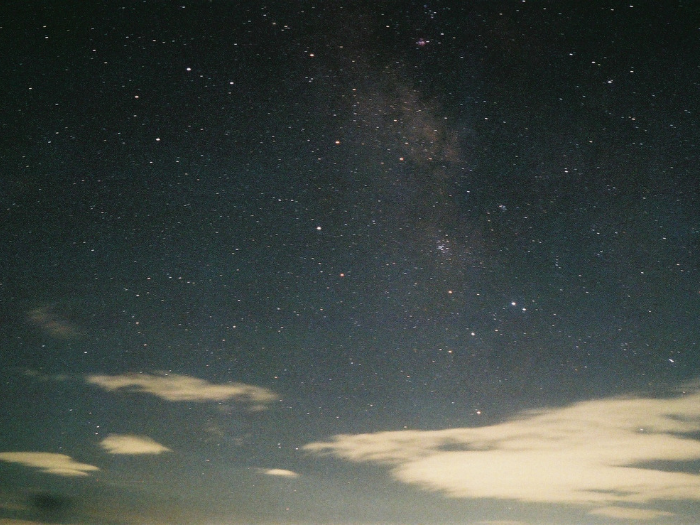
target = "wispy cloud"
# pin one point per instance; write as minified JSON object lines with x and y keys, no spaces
{"x":628,"y":513}
{"x":128,"y":444}
{"x":174,"y":387}
{"x":53,"y":323}
{"x":501,"y":522}
{"x":279,"y":472}
{"x":58,"y":464}
{"x":595,"y":453}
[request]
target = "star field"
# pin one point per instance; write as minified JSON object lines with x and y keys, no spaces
{"x":349,"y":262}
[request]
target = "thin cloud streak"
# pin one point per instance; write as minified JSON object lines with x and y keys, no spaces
{"x":589,"y":453}
{"x":626,"y":513}
{"x":50,"y":463}
{"x":278,"y":472}
{"x":174,"y":387}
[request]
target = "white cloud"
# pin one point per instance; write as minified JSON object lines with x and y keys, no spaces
{"x":627,"y":513}
{"x":592,"y":453}
{"x":502,"y":522}
{"x":279,"y":472}
{"x":58,"y":464}
{"x":127,"y":444}
{"x":174,"y":387}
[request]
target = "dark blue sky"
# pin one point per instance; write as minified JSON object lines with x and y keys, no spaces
{"x":349,"y":262}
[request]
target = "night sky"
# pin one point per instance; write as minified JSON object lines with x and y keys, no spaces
{"x":349,"y":262}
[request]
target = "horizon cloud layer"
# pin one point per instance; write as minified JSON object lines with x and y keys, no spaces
{"x":592,"y":453}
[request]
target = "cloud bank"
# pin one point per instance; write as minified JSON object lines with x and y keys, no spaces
{"x":58,"y":464}
{"x":596,"y":453}
{"x":128,"y":444}
{"x":174,"y":387}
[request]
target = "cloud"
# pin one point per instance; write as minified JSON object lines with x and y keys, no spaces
{"x":10,"y":521}
{"x":594,"y":453}
{"x":502,"y":522}
{"x":282,"y":473}
{"x":58,"y":464}
{"x":627,"y":513}
{"x":53,"y":323}
{"x":173,"y":387}
{"x":127,"y":444}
